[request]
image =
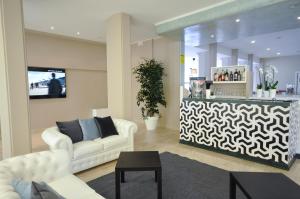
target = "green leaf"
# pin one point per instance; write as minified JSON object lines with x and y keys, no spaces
{"x":150,"y":74}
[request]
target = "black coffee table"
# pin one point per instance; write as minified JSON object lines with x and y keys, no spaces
{"x":263,"y":185}
{"x":138,"y":161}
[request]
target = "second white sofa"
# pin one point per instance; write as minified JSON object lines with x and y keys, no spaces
{"x":52,"y":167}
{"x":87,"y":154}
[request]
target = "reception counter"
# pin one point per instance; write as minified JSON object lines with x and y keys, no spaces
{"x":264,"y":131}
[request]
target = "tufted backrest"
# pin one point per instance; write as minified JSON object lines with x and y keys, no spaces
{"x":102,"y":112}
{"x":41,"y":166}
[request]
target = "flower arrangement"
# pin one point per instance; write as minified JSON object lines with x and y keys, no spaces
{"x":266,"y":76}
{"x":260,"y":75}
{"x":267,"y":81}
{"x":273,"y":85}
{"x":266,"y":87}
{"x":259,"y":86}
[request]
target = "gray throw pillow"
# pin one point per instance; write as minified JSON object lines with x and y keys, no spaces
{"x":22,"y":187}
{"x":43,"y":191}
{"x":89,"y":129}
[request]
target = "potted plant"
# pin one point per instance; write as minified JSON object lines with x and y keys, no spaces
{"x":273,"y":88}
{"x":259,"y":90}
{"x":266,"y":90}
{"x":259,"y":87}
{"x":269,"y":76}
{"x":151,"y":94}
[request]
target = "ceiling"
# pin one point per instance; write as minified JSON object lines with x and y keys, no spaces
{"x":68,"y":17}
{"x":265,"y":20}
{"x":285,"y":43}
{"x":276,"y":27}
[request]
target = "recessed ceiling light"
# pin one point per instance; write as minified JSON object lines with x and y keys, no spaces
{"x":278,"y":53}
{"x":268,"y":49}
{"x":212,"y":36}
{"x":253,"y":42}
{"x":52,"y":27}
{"x":298,"y":18}
{"x":78,"y":33}
{"x":237,"y":20}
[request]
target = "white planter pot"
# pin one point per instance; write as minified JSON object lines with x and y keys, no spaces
{"x":266,"y":93}
{"x":151,"y":123}
{"x":207,"y":94}
{"x":259,"y":92}
{"x":272,"y":93}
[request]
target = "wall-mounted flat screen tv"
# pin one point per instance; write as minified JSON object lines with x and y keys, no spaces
{"x":46,"y":82}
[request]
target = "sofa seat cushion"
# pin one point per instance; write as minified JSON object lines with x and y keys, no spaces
{"x":72,"y":187}
{"x":113,"y":141}
{"x":86,"y":148}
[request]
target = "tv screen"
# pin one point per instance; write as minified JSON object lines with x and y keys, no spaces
{"x":46,"y":82}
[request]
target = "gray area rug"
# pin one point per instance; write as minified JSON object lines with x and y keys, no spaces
{"x":183,"y":178}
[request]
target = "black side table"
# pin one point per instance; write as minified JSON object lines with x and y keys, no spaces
{"x":263,"y":185}
{"x":138,"y":161}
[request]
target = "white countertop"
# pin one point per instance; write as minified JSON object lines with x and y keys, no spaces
{"x":278,"y":97}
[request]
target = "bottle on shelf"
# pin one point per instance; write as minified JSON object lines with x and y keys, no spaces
{"x":219,"y":76}
{"x":222,"y":75}
{"x":226,"y":78}
{"x":244,"y":75}
{"x":235,"y":75}
{"x":239,"y":76}
{"x":216,"y":76}
{"x":231,"y":76}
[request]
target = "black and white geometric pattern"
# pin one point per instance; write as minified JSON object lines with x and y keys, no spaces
{"x":294,"y":129}
{"x":259,"y":131}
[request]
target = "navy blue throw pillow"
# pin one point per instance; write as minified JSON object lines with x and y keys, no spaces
{"x":106,"y":126}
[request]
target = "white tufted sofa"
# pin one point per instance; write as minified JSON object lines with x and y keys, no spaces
{"x":87,"y":154}
{"x":52,"y":167}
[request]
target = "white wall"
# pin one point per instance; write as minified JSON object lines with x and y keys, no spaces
{"x":86,"y":77}
{"x":287,"y":66}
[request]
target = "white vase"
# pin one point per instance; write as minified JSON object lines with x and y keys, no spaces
{"x":207,"y":93}
{"x":151,"y":123}
{"x":272,"y":93}
{"x":266,"y":93}
{"x":259,"y":92}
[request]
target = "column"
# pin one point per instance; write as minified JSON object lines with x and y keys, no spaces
{"x":251,"y":76}
{"x":250,"y":61}
{"x":234,"y":56}
{"x":14,"y":117}
{"x":212,"y":58}
{"x":119,"y":65}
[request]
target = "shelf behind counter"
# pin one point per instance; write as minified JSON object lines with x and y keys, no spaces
{"x":261,"y":130}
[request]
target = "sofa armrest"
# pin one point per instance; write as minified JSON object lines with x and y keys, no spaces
{"x":125,"y":127}
{"x":57,"y":140}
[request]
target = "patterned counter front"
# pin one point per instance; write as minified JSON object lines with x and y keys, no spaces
{"x":263,"y":131}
